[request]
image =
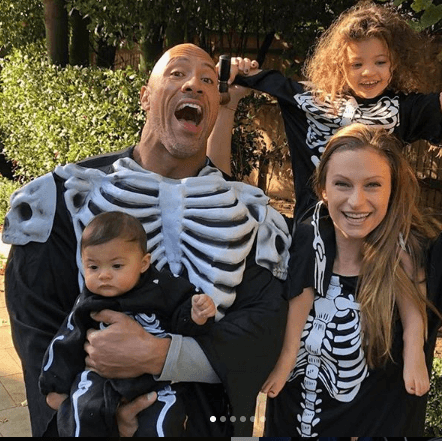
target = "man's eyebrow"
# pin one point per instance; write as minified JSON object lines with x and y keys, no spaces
{"x":180,"y":57}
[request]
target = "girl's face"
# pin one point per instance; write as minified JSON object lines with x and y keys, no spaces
{"x":368,"y":67}
{"x":357,"y":191}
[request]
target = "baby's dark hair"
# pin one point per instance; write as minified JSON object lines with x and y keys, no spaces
{"x":111,"y":225}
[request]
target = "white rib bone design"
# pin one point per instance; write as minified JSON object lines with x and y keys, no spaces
{"x":330,"y":354}
{"x":206,"y":224}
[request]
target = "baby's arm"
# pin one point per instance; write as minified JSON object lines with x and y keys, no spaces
{"x":416,"y":378}
{"x":203,"y":308}
{"x":299,"y":308}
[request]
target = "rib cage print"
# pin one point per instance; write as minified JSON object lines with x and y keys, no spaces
{"x":205,"y":224}
{"x":331,"y":359}
{"x":324,"y":119}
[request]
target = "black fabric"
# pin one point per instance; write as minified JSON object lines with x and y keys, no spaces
{"x":242,"y":350}
{"x":242,"y":347}
{"x":92,"y":413}
{"x":158,"y":293}
{"x":381,"y":406}
{"x":94,"y":399}
{"x":419,"y":117}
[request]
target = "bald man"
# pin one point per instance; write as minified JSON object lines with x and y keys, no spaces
{"x":221,"y":236}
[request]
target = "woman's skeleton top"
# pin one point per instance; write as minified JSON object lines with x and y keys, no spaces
{"x":203,"y":225}
{"x":331,"y":389}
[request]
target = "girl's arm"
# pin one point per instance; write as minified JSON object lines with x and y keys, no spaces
{"x":219,"y":144}
{"x":416,"y":376}
{"x":299,"y":308}
{"x":220,"y":141}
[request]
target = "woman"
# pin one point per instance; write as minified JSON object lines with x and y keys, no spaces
{"x":363,"y":258}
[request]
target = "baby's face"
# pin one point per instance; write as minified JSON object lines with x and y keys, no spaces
{"x":368,"y":70}
{"x":114,"y":267}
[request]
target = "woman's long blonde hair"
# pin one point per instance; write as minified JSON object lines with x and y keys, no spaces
{"x":409,"y":51}
{"x":383,"y":278}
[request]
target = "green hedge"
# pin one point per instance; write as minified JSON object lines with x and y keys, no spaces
{"x":7,"y":187}
{"x":51,"y":115}
{"x":433,"y":420}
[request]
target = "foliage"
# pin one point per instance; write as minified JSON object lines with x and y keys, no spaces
{"x":217,"y":25}
{"x":425,"y":14}
{"x":246,"y":140}
{"x":21,"y":22}
{"x":433,"y":420}
{"x":249,"y":149}
{"x":7,"y":187}
{"x":53,"y":115}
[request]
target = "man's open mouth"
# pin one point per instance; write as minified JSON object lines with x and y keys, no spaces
{"x":189,"y":112}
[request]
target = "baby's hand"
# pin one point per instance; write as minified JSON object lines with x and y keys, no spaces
{"x":417,"y":381}
{"x":203,"y":307}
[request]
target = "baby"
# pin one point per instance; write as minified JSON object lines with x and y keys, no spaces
{"x":118,"y":276}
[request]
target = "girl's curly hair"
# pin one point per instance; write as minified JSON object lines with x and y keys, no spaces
{"x":408,"y":50}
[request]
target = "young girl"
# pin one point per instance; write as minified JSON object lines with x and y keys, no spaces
{"x":367,"y":67}
{"x":358,"y":261}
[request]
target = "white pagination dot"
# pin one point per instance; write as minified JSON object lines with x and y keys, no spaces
{"x":233,"y":419}
{"x":243,"y":419}
{"x":222,"y":419}
{"x":212,"y":419}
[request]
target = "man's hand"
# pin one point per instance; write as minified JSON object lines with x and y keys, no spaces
{"x":54,"y":400}
{"x":127,"y":413}
{"x":124,"y":349}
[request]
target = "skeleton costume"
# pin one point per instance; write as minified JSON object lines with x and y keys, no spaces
{"x":161,"y":303}
{"x":309,"y":123}
{"x":331,"y":390}
{"x":221,"y":236}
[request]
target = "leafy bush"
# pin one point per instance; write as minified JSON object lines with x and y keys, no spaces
{"x":433,"y":420}
{"x":7,"y":187}
{"x":52,"y":115}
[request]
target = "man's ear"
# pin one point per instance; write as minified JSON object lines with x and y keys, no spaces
{"x":324,"y":196}
{"x":145,"y":98}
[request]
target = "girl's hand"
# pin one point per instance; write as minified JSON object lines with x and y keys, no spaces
{"x":242,"y":66}
{"x":416,"y":379}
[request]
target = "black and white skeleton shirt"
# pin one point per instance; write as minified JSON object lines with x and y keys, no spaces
{"x":309,"y":123}
{"x":221,"y":236}
{"x":331,"y":391}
